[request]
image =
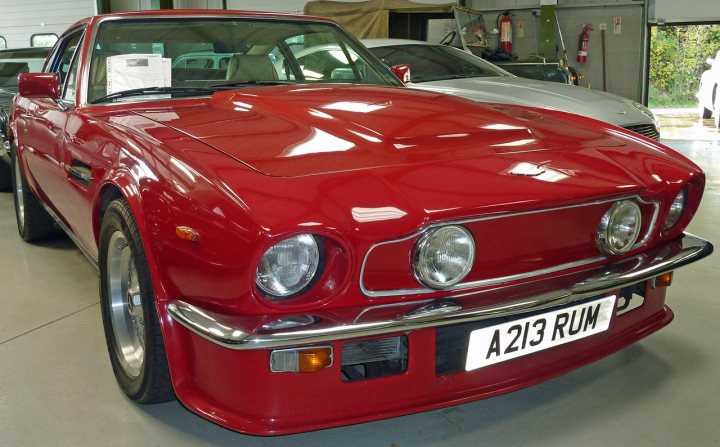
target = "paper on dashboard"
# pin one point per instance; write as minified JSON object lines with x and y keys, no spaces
{"x":131,"y":71}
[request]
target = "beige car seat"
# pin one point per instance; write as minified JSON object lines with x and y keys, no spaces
{"x":250,"y":67}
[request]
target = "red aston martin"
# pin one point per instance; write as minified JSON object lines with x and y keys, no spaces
{"x":286,"y":247}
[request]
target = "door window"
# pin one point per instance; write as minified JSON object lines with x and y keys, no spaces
{"x":72,"y":75}
{"x":65,"y":57}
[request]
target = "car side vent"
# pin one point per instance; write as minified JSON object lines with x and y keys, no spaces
{"x":80,"y":172}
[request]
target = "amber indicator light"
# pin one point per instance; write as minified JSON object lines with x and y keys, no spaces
{"x":312,"y":360}
{"x":186,"y":234}
{"x":664,"y":280}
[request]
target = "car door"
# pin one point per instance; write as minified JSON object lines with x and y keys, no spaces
{"x":84,"y":161}
{"x":42,"y":139}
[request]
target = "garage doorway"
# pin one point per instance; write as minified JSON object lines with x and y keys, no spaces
{"x":680,"y":56}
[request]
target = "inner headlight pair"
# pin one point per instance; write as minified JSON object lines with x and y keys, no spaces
{"x":443,"y":257}
{"x":619,"y":227}
{"x":676,"y":209}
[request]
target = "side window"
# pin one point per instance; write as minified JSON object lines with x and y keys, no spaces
{"x":3,"y":43}
{"x":330,"y":63}
{"x":64,"y":58}
{"x":72,"y":75}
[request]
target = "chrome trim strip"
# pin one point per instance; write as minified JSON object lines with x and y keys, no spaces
{"x":93,"y":260}
{"x":519,"y":276}
{"x":592,"y":282}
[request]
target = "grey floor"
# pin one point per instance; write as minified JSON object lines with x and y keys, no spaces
{"x":56,"y":386}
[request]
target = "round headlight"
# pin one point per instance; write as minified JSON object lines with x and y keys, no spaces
{"x":288,"y":266}
{"x":676,"y":210}
{"x":619,"y":228}
{"x":443,"y":257}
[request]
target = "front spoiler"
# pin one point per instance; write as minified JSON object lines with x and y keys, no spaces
{"x":449,"y":311}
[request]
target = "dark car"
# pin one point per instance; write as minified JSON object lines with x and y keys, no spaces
{"x":12,"y":63}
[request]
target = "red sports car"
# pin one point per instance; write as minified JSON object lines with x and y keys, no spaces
{"x":286,"y":247}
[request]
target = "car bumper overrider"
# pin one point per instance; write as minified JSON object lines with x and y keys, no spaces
{"x":230,"y":379}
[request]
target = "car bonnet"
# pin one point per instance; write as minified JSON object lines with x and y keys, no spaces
{"x":291,"y":131}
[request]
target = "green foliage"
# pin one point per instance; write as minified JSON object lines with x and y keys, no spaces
{"x":677,"y":60}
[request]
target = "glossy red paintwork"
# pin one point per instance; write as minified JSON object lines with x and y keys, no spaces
{"x":39,"y":85}
{"x":402,"y":71}
{"x":293,"y":402}
{"x":356,"y":165}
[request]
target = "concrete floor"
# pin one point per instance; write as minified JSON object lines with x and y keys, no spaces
{"x":56,"y":386}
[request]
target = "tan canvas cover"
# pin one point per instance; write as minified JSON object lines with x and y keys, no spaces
{"x":369,"y":19}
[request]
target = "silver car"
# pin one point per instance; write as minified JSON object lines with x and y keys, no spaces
{"x":445,"y":69}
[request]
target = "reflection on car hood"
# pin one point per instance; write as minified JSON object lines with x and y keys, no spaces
{"x":303,"y":130}
{"x":602,"y":106}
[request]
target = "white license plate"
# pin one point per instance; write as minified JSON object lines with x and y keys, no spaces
{"x":525,"y":336}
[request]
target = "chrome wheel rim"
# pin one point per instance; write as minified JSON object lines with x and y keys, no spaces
{"x":126,"y":305}
{"x":19,"y":195}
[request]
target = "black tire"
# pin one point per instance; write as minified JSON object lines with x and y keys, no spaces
{"x":33,"y":222}
{"x":153,"y":384}
{"x":5,"y":177}
{"x":705,"y":113}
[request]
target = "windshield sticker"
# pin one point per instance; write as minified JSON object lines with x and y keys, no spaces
{"x":132,"y":71}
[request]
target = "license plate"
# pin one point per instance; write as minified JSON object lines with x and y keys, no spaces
{"x":525,"y":336}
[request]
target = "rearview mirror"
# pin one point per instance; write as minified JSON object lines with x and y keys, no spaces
{"x":39,"y":85}
{"x":402,"y":72}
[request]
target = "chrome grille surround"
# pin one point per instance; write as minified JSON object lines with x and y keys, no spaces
{"x":463,"y":286}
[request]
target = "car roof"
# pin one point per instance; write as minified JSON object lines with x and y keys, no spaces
{"x":199,"y":13}
{"x":373,"y":43}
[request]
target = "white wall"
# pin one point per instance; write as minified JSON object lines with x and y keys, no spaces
{"x":669,"y":11}
{"x":19,"y":19}
{"x":129,"y":5}
{"x":198,"y":4}
{"x":624,"y":51}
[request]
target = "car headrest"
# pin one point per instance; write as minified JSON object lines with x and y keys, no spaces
{"x":250,"y":67}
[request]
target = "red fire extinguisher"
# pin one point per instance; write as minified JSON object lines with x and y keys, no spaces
{"x":505,"y":26}
{"x":583,"y":44}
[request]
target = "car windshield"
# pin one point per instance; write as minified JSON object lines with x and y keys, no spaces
{"x":198,"y":56}
{"x":14,"y":62}
{"x":541,"y":72}
{"x":436,"y":62}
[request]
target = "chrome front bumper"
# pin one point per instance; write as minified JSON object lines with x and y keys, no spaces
{"x":448,"y":311}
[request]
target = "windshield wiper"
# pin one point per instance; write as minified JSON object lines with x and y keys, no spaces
{"x":153,"y":91}
{"x":234,"y":84}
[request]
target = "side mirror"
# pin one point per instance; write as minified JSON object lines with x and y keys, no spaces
{"x":402,"y":71}
{"x":39,"y":85}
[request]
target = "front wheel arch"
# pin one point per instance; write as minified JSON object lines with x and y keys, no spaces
{"x":152,"y":384}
